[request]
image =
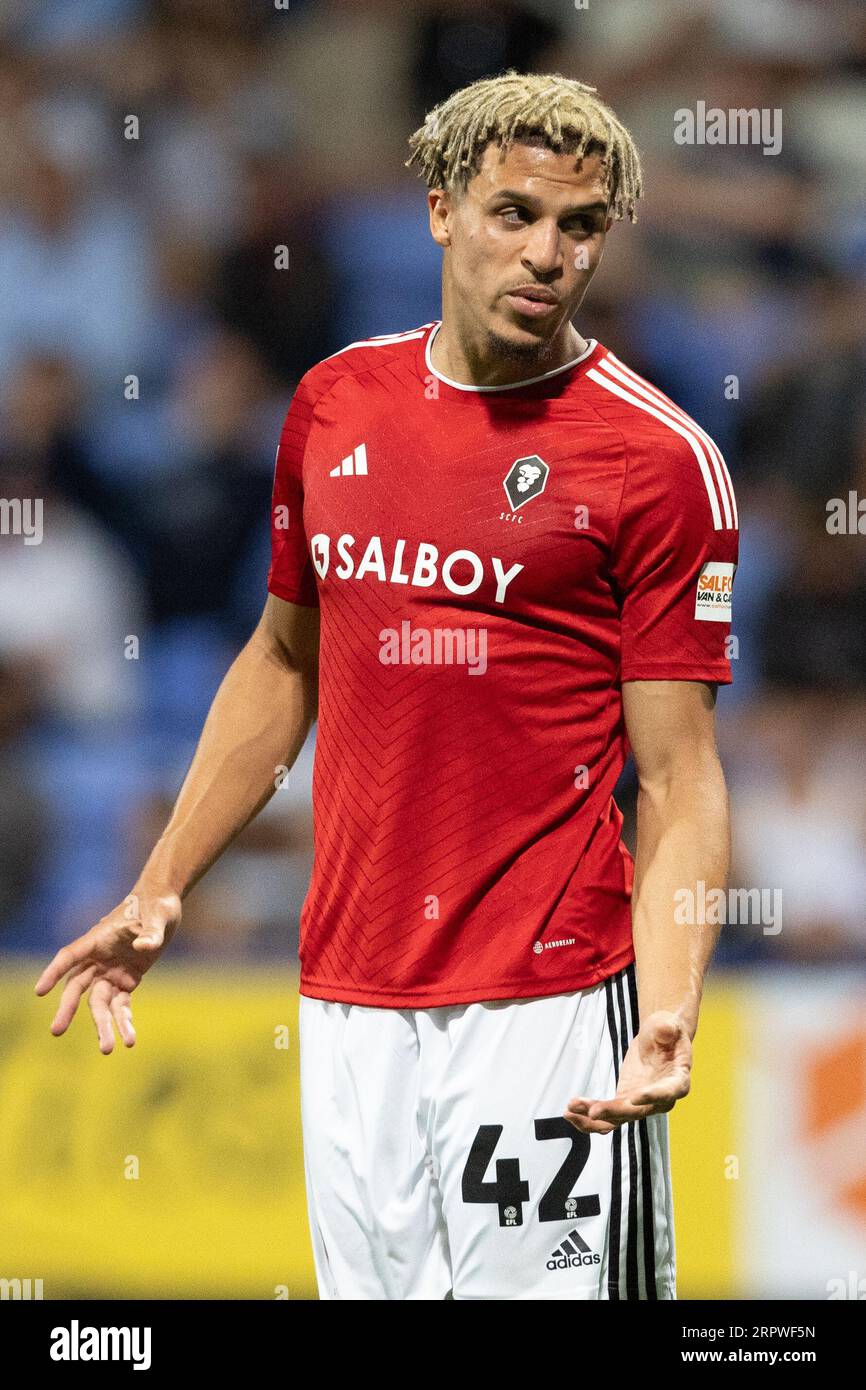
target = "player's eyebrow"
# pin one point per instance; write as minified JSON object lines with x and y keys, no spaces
{"x":512,"y":195}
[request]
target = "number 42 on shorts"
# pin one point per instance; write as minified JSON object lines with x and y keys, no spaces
{"x":509,"y":1191}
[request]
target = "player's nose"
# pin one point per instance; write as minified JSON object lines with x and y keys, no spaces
{"x":542,"y":251}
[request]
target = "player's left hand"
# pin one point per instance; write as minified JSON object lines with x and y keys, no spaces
{"x":655,"y":1074}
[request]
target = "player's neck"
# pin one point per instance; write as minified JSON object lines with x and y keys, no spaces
{"x":474,"y":359}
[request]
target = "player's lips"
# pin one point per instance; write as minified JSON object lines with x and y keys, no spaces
{"x":533,"y":300}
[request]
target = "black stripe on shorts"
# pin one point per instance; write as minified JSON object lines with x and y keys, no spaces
{"x":623,"y":1025}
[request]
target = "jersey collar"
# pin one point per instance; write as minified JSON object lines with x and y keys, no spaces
{"x":512,"y":386}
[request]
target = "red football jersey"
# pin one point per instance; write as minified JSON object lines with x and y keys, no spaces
{"x":491,"y":563}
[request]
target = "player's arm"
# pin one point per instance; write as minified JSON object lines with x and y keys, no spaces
{"x":673,"y":553}
{"x":257,"y":724}
{"x":683,"y":837}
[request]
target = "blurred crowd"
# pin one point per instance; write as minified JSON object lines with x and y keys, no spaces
{"x":154,"y":153}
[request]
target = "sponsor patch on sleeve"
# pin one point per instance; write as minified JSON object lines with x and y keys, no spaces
{"x":713,"y":598}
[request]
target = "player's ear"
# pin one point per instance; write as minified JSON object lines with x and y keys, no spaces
{"x":439,"y":205}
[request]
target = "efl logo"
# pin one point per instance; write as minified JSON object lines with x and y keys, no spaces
{"x":713,"y":598}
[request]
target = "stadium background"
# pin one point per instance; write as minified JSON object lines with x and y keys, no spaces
{"x":175,"y":1170}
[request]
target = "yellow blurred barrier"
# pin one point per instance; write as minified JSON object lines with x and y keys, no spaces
{"x":170,"y":1170}
{"x":706,"y":1150}
{"x":174,"y":1170}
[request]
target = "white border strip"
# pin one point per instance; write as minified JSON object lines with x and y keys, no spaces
{"x":383,"y":340}
{"x":646,"y":389}
{"x":697,"y":448}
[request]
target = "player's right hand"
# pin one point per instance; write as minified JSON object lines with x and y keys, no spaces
{"x":110,"y":960}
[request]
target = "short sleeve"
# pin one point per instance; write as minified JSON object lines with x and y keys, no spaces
{"x":674,"y":557}
{"x":291,"y":575}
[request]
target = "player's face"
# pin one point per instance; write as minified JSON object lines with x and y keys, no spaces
{"x":522,"y":244}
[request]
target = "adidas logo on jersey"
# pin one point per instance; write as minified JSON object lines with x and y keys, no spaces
{"x":353,"y":465}
{"x":572,"y":1252}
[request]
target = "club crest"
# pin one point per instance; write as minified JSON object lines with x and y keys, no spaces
{"x":525,"y":480}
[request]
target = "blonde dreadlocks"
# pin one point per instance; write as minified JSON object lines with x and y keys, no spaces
{"x":561,"y":113}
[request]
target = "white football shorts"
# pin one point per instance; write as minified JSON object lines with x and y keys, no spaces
{"x":439,"y":1165}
